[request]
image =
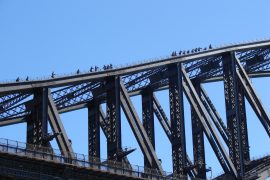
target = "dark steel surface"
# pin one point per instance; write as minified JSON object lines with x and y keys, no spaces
{"x":232,"y":100}
{"x":148,"y":118}
{"x":114,"y":144}
{"x":198,"y":140}
{"x":94,"y":129}
{"x":40,"y":102}
{"x":178,"y":138}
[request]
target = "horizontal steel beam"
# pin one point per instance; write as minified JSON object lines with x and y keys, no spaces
{"x":12,"y":121}
{"x":257,"y":74}
{"x":75,"y":79}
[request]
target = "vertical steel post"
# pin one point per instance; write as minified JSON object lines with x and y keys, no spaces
{"x":114,"y":119}
{"x":235,"y":109}
{"x":198,"y":139}
{"x":148,"y":118}
{"x":37,"y":124}
{"x":93,"y":130}
{"x":177,"y":119}
{"x":243,"y":123}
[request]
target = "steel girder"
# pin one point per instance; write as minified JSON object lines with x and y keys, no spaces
{"x":12,"y":121}
{"x":114,"y":119}
{"x":102,"y":122}
{"x":251,"y":61}
{"x":198,"y":140}
{"x":10,"y":100}
{"x":61,"y":81}
{"x":252,"y":97}
{"x":57,"y":127}
{"x":75,"y":95}
{"x":104,"y":126}
{"x":208,"y":68}
{"x":148,"y":119}
{"x":219,"y":123}
{"x":37,"y":123}
{"x":21,"y":110}
{"x":165,"y":123}
{"x":208,"y":127}
{"x":137,"y":81}
{"x":94,"y":129}
{"x":178,"y":140}
{"x":243,"y":124}
{"x":234,"y":101}
{"x":162,"y":118}
{"x":138,"y":130}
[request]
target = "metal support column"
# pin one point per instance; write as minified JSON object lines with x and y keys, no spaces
{"x":243,"y":123}
{"x":37,"y":124}
{"x":177,"y":119}
{"x":252,"y":97}
{"x":166,"y":125}
{"x":198,"y":140}
{"x":233,"y":113}
{"x":113,"y":115}
{"x":138,"y":130}
{"x":208,"y":127}
{"x":148,"y":118}
{"x":93,"y":130}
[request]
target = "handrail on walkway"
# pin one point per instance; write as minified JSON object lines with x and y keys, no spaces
{"x":55,"y":155}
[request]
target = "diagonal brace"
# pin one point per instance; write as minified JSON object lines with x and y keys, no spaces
{"x":166,"y":125}
{"x":209,"y":130}
{"x":57,"y":127}
{"x":214,"y":115}
{"x":138,"y":129}
{"x":253,"y":97}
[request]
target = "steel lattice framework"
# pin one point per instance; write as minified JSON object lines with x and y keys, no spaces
{"x":39,"y":103}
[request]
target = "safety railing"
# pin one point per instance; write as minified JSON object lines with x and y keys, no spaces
{"x":55,"y":155}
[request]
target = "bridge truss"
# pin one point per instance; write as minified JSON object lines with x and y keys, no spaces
{"x":40,"y":103}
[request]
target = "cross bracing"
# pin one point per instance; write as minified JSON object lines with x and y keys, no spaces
{"x":181,"y":75}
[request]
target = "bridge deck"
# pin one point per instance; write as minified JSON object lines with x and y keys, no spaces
{"x":16,"y":166}
{"x":20,"y":160}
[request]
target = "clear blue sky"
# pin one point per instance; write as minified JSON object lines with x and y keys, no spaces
{"x":38,"y":37}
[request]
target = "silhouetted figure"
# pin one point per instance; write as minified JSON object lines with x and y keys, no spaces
{"x":78,"y":71}
{"x":199,"y":49}
{"x":53,"y":75}
{"x":196,"y":50}
{"x":110,"y":66}
{"x":184,"y":52}
{"x":18,"y":79}
{"x":180,"y":52}
{"x":27,"y":78}
{"x":192,"y":51}
{"x":91,"y":69}
{"x":105,"y":67}
{"x":174,"y":53}
{"x":188,"y":52}
{"x":204,"y":49}
{"x":210,"y":46}
{"x":96,"y":68}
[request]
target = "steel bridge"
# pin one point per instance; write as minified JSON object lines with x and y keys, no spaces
{"x":39,"y":104}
